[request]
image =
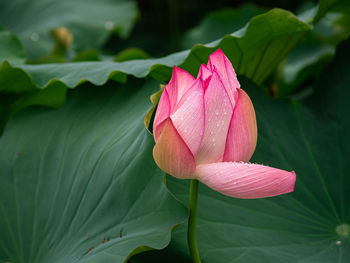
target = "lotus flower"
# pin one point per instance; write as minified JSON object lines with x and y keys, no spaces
{"x":205,"y":129}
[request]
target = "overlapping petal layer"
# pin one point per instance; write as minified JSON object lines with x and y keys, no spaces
{"x":204,"y":74}
{"x":189,"y":117}
{"x":180,"y":82}
{"x":220,"y":62}
{"x":218,"y":112}
{"x":242,"y":135}
{"x":163,"y":112}
{"x":172,"y":155}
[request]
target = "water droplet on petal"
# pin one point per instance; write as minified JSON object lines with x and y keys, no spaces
{"x":217,"y":112}
{"x":225,"y":112}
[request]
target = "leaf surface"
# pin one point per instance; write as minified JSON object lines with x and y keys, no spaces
{"x":79,"y":184}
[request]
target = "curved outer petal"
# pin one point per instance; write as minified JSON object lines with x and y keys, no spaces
{"x":172,"y":155}
{"x":223,"y":65}
{"x":180,"y":82}
{"x":245,"y":180}
{"x":218,"y":113}
{"x":163,"y":112}
{"x":242,"y":135}
{"x":189,"y":117}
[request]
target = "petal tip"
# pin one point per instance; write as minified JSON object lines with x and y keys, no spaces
{"x":292,"y":182}
{"x":218,"y":52}
{"x":176,"y":68}
{"x":181,"y":71}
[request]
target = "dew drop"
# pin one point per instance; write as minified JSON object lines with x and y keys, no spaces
{"x":34,"y":36}
{"x":218,"y":124}
{"x":109,"y":25}
{"x":225,"y":112}
{"x":216,"y":112}
{"x":338,"y":242}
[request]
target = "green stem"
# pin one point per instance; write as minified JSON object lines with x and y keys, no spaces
{"x":191,"y":232}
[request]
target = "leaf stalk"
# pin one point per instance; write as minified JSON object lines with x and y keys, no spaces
{"x":191,"y":232}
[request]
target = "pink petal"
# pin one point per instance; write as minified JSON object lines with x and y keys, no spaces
{"x":204,"y":74}
{"x":223,"y":65}
{"x":172,"y":155}
{"x":189,"y":117}
{"x":245,"y":180}
{"x":180,"y":82}
{"x":242,"y":135}
{"x":218,"y":113}
{"x":163,"y":112}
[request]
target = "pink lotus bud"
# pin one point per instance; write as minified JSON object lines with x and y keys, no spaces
{"x":205,"y":129}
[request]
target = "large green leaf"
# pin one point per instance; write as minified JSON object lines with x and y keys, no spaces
{"x":79,"y":184}
{"x":254,"y":50}
{"x":90,"y":21}
{"x":311,"y":224}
